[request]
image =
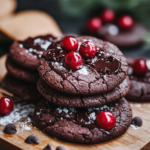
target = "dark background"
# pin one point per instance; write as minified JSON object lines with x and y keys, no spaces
{"x":67,"y":25}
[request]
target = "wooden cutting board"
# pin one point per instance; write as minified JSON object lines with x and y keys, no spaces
{"x":131,"y":140}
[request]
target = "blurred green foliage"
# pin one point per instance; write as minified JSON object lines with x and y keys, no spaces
{"x":140,"y":9}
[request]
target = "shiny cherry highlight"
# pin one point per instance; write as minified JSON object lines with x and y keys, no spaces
{"x":106,"y":120}
{"x":93,"y":25}
{"x":139,"y":67}
{"x":126,"y":22}
{"x":6,"y":106}
{"x":69,"y":44}
{"x":108,"y":15}
{"x":88,"y":49}
{"x":73,"y":61}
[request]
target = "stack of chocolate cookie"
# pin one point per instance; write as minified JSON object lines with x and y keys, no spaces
{"x":22,"y":66}
{"x":83,"y":81}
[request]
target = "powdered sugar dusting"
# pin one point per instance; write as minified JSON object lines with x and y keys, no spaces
{"x":139,"y":105}
{"x":134,"y":127}
{"x":92,"y":116}
{"x":135,"y":105}
{"x":20,"y":117}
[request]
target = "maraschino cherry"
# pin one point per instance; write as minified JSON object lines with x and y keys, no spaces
{"x":93,"y":25}
{"x":69,"y":44}
{"x":6,"y":106}
{"x":126,"y":22}
{"x":73,"y":60}
{"x":139,"y":67}
{"x":108,"y":15}
{"x":88,"y":49}
{"x":106,"y":120}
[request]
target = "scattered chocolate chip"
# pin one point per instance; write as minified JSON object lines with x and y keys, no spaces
{"x":137,"y":121}
{"x":32,"y":139}
{"x":48,"y":147}
{"x":10,"y":128}
{"x":60,"y":148}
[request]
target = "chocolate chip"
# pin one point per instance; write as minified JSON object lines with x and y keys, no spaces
{"x":60,"y":148}
{"x":137,"y":121}
{"x":56,"y":55}
{"x":48,"y":147}
{"x":10,"y":128}
{"x":32,"y":139}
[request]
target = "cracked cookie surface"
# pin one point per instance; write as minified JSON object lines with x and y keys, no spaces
{"x":70,"y":125}
{"x":20,"y":72}
{"x":23,"y":89}
{"x":140,"y":86}
{"x":67,"y":100}
{"x":90,"y":79}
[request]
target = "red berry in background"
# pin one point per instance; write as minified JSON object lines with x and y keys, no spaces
{"x":6,"y":106}
{"x":93,"y":25}
{"x":126,"y":22}
{"x":139,"y":67}
{"x":106,"y":120}
{"x":73,"y":60}
{"x":69,"y":44}
{"x":108,"y":15}
{"x":88,"y":49}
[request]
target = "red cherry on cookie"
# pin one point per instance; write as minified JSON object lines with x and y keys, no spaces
{"x":69,"y":44}
{"x":73,"y":60}
{"x":88,"y":49}
{"x":93,"y":25}
{"x":6,"y":106}
{"x":108,"y":15}
{"x":126,"y":22}
{"x":139,"y":67}
{"x":106,"y":120}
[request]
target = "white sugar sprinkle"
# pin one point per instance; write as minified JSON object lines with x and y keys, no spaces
{"x":20,"y":45}
{"x":19,"y":116}
{"x":65,"y":110}
{"x":135,"y":105}
{"x":38,"y":113}
{"x":59,"y":110}
{"x":72,"y":109}
{"x":26,"y":51}
{"x":105,"y":106}
{"x":92,"y":116}
{"x":134,"y":127}
{"x":30,"y":50}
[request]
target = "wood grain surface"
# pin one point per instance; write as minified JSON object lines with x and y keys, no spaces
{"x":131,"y":140}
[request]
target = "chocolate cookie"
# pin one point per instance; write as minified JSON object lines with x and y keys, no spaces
{"x":65,"y":100}
{"x":26,"y":53}
{"x":100,"y":74}
{"x":140,"y":86}
{"x":20,"y":72}
{"x":23,"y":89}
{"x":129,"y":38}
{"x":79,"y":125}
